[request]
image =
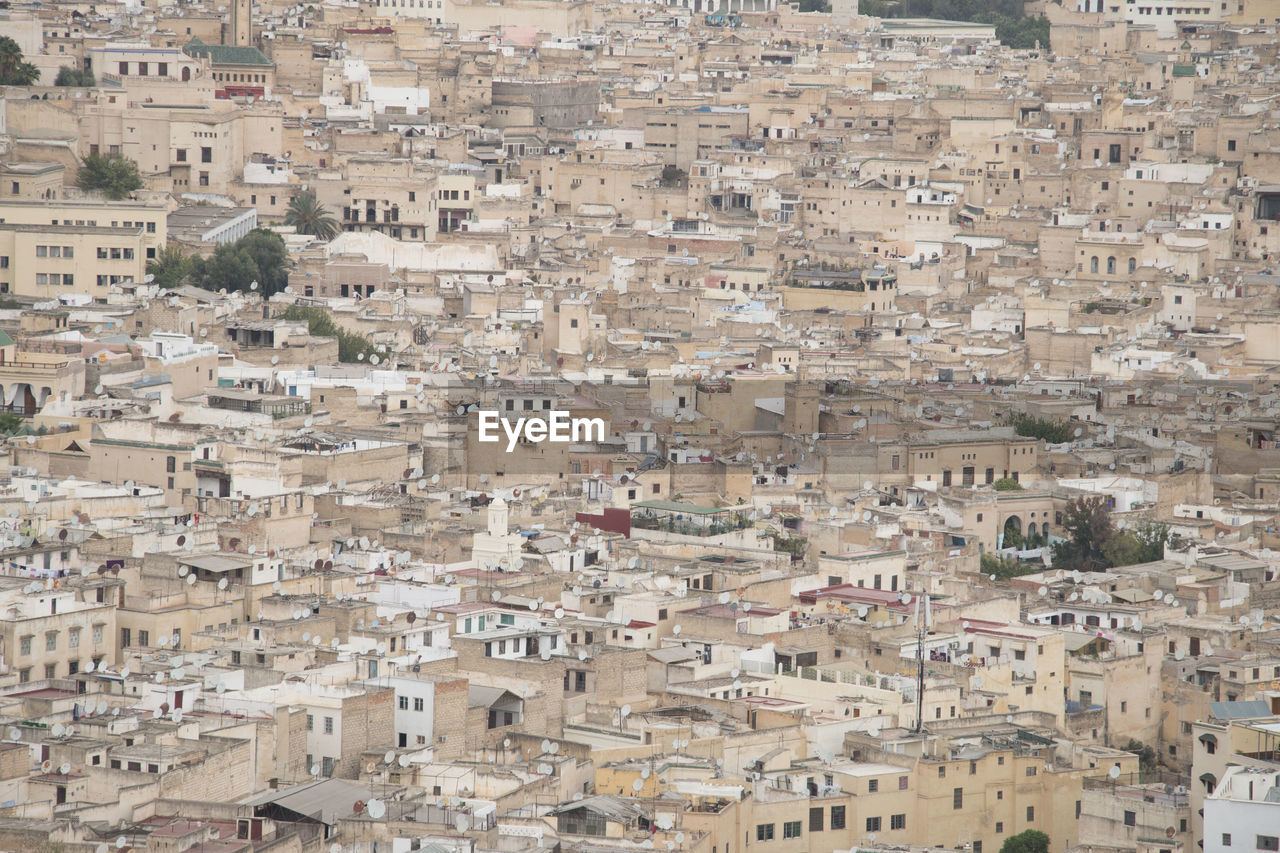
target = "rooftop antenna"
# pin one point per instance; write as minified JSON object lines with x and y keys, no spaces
{"x":922,"y":631}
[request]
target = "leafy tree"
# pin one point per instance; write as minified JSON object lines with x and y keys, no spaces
{"x":1007,"y":484}
{"x":9,"y":423}
{"x":1141,"y":544}
{"x":1146,"y":757}
{"x":796,"y":546}
{"x":170,"y":266}
{"x":1027,"y":841}
{"x":113,"y":176}
{"x":321,"y":325}
{"x":815,"y":6}
{"x":68,"y":76}
{"x":258,"y":256}
{"x":309,"y":216}
{"x":1088,"y":528}
{"x":14,"y":69}
{"x":672,"y":176}
{"x":1004,"y":568}
{"x":1052,"y":432}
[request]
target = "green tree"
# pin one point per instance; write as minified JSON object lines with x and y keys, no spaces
{"x":672,"y":176}
{"x":169,"y":267}
{"x":258,"y":256}
{"x":269,"y":254}
{"x":309,"y":216}
{"x":14,"y":69}
{"x":1052,"y":432}
{"x":320,"y":324}
{"x":68,"y":76}
{"x":113,"y":176}
{"x":1146,"y":758}
{"x":9,"y":423}
{"x":1004,"y":568}
{"x":1088,"y":529}
{"x":1007,"y":484}
{"x":1027,"y":841}
{"x":815,"y":6}
{"x":1143,"y":543}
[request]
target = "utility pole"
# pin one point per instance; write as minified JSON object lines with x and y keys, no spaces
{"x":922,"y":631}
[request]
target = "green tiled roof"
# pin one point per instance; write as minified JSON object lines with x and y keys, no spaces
{"x":227,"y":54}
{"x":1184,"y":71}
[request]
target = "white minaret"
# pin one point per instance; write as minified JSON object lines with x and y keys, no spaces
{"x":497,"y":542}
{"x":498,"y":518}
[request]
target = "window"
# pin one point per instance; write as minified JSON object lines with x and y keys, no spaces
{"x":898,"y":821}
{"x":403,"y":702}
{"x":1269,"y":842}
{"x":418,"y":704}
{"x":873,"y":824}
{"x":1031,"y":771}
{"x":180,"y":155}
{"x":126,"y":638}
{"x":328,"y":725}
{"x":51,"y":641}
{"x":1130,"y":818}
{"x":957,"y":798}
{"x":815,"y":820}
{"x":144,"y":638}
{"x":999,"y":827}
{"x":873,"y":786}
{"x":792,"y":829}
{"x":837,"y":817}
{"x":74,"y":638}
{"x":206,"y":155}
{"x":1031,"y":813}
{"x":764,"y":832}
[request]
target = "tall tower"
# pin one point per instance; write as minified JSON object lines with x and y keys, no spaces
{"x":240,"y":30}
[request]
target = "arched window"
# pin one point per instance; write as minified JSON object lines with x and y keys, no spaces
{"x":1093,"y":264}
{"x":1133,"y":265}
{"x":1111,"y":266}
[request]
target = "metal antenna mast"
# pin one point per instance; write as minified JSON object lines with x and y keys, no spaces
{"x":922,"y":631}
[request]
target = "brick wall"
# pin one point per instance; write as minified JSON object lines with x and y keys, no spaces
{"x":449,"y":708}
{"x":368,"y":722}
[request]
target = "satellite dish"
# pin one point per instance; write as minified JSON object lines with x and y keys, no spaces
{"x":64,"y":769}
{"x":1114,"y":772}
{"x":377,"y":809}
{"x":58,"y":730}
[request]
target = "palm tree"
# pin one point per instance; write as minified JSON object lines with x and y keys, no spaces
{"x":309,"y":216}
{"x":13,"y":70}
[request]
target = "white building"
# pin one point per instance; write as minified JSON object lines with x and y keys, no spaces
{"x":1242,"y":815}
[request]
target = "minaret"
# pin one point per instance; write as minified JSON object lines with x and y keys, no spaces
{"x":241,"y":27}
{"x":498,"y":517}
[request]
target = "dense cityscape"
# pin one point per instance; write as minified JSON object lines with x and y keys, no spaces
{"x":713,"y":426}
